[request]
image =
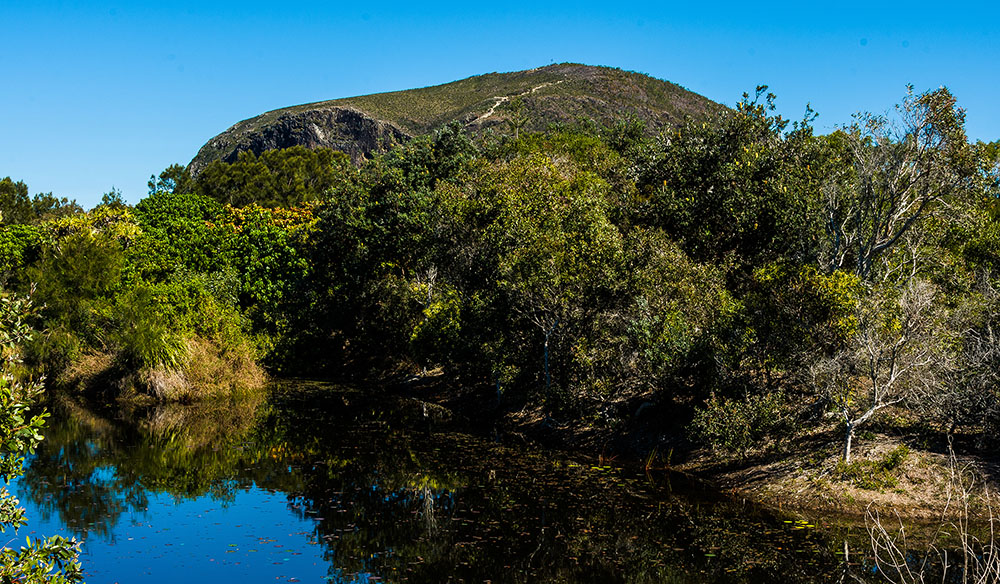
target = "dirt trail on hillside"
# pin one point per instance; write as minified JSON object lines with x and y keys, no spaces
{"x":505,"y":98}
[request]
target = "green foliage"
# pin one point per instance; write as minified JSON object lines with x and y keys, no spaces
{"x":19,"y":246}
{"x":738,"y":425}
{"x":140,"y":288}
{"x":978,"y":239}
{"x":268,"y":252}
{"x":557,"y":245}
{"x":113,"y":199}
{"x":277,"y":178}
{"x":580,"y":270}
{"x":795,"y":311}
{"x":896,"y":172}
{"x":54,"y":350}
{"x":373,"y":238}
{"x":163,"y":209}
{"x":738,"y":185}
{"x":875,"y":475}
{"x":180,"y":230}
{"x":53,"y":560}
{"x":142,"y":336}
{"x":75,"y":277}
{"x":17,"y":208}
{"x":437,"y":337}
{"x":545,"y":248}
{"x":113,"y":224}
{"x":424,"y":161}
{"x":679,"y":313}
{"x":174,"y":179}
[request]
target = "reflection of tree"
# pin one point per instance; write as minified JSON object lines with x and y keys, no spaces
{"x":90,"y":471}
{"x":512,"y":518}
{"x":387,"y":500}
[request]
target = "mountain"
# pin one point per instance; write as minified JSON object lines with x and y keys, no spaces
{"x":533,"y":99}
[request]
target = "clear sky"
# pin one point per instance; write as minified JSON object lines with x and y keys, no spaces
{"x":102,"y":94}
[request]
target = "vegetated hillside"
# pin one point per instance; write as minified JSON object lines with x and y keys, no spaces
{"x":530,"y":100}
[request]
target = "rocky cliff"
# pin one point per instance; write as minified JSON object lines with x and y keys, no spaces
{"x":346,"y":129}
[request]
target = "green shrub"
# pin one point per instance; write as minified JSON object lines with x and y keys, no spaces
{"x":179,"y":231}
{"x":54,"y":559}
{"x":737,"y":425}
{"x":53,"y":351}
{"x":436,"y":337}
{"x":875,"y":475}
{"x":143,"y":337}
{"x":19,"y":245}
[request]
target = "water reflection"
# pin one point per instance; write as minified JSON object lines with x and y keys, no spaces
{"x":383,"y":500}
{"x":94,"y":466}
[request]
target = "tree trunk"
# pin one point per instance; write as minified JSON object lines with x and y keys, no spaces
{"x":849,"y":436}
{"x":548,"y":376}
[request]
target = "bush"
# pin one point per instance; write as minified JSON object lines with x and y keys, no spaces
{"x":737,"y":425}
{"x":53,"y":351}
{"x":19,"y":244}
{"x":875,"y":475}
{"x":143,"y":335}
{"x":179,"y":230}
{"x":42,"y":560}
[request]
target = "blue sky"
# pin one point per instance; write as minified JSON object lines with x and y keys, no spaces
{"x":102,"y":94}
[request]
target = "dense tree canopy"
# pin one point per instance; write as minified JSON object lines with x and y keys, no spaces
{"x":276,"y":178}
{"x":741,"y":269}
{"x":17,"y":208}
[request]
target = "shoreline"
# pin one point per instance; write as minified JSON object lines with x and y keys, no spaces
{"x":803,"y":476}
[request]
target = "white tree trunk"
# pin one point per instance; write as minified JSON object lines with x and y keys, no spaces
{"x":849,"y":436}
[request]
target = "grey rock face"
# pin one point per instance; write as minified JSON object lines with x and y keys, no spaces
{"x":340,"y":128}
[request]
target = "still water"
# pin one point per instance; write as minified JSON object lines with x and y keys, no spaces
{"x":319,"y":483}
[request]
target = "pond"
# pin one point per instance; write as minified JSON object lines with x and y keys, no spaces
{"x":320,"y":483}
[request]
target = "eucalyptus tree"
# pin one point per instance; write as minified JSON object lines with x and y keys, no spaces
{"x":897,"y":171}
{"x":896,"y":354}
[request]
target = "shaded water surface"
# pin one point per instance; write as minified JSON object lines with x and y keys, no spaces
{"x":318,"y":483}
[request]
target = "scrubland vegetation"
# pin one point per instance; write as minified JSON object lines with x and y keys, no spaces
{"x":743,"y":276}
{"x":737,"y":282}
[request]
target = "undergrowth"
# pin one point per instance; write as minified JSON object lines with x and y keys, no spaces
{"x":875,"y":475}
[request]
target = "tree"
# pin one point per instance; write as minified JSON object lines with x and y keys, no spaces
{"x":47,"y":206}
{"x":276,"y":178}
{"x":735,"y":186}
{"x":897,"y":172}
{"x":113,"y":199}
{"x":179,"y":230}
{"x":53,"y":560}
{"x":516,"y":117}
{"x":19,"y":246}
{"x":174,"y":179}
{"x":536,"y":238}
{"x":970,"y":394}
{"x":893,"y":356}
{"x":16,"y":208}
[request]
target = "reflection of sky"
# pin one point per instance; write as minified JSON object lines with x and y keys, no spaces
{"x":254,"y":539}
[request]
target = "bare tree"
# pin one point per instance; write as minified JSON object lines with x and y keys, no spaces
{"x":898,"y":170}
{"x":893,"y":356}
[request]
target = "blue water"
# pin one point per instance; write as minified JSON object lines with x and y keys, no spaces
{"x":255,"y":537}
{"x":330,"y":485}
